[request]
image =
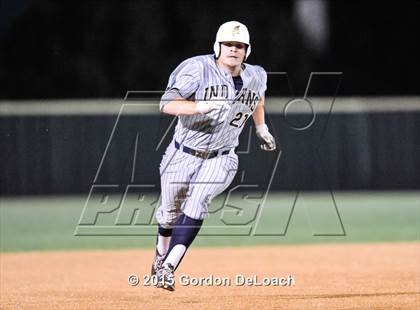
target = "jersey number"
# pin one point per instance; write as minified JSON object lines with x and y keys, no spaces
{"x":237,"y":121}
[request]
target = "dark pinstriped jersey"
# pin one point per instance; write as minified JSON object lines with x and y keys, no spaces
{"x":199,"y":78}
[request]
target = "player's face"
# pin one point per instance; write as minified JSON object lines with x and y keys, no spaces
{"x":232,"y":53}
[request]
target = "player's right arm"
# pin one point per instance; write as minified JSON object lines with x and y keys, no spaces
{"x":181,"y":106}
{"x":182,"y":85}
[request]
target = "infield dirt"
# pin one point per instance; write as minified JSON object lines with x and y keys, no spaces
{"x":339,"y":276}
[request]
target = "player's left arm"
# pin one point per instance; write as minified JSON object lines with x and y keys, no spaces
{"x":258,"y":115}
{"x":268,"y":143}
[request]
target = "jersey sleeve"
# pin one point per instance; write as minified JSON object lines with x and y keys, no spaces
{"x":262,"y":76}
{"x":184,"y":82}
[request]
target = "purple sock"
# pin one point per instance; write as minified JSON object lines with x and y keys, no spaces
{"x":184,"y":232}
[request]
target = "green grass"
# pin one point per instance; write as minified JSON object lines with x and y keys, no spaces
{"x":50,"y":223}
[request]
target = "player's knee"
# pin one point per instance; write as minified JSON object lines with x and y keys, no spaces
{"x":166,"y":219}
{"x":166,"y":225}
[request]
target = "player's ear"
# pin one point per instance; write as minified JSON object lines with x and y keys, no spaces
{"x":247,"y":51}
{"x":217,"y":49}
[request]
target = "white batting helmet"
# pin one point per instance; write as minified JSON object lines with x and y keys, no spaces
{"x":232,"y":31}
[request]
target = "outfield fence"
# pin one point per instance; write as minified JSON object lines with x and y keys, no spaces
{"x":350,"y":143}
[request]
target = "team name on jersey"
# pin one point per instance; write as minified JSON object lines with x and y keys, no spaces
{"x":247,"y":96}
{"x":216,"y":91}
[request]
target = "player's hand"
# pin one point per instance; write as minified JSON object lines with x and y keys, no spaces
{"x":267,"y":140}
{"x":214,"y":104}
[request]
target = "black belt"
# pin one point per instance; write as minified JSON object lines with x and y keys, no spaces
{"x":201,"y":154}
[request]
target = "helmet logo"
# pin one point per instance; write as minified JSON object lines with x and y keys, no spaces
{"x":235,"y":30}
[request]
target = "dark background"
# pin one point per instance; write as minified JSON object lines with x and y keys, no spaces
{"x":100,"y":49}
{"x":85,"y":49}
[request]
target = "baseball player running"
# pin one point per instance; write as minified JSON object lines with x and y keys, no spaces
{"x":213,"y":96}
